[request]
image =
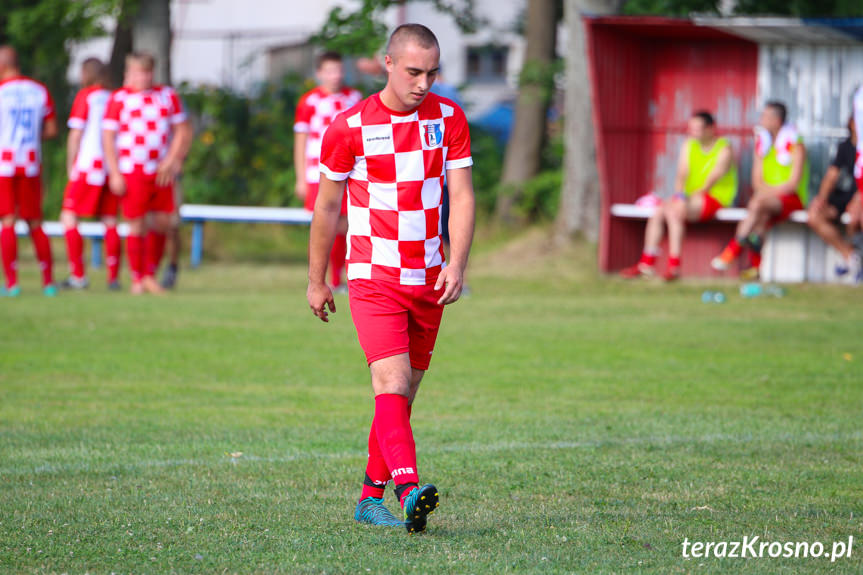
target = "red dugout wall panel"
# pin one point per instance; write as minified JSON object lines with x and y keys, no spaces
{"x":648,"y":76}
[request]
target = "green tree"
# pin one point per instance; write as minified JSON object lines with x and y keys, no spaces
{"x":42,"y":31}
{"x":362,"y":32}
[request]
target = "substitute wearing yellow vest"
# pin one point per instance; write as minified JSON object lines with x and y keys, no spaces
{"x":780,"y":182}
{"x":706,"y":181}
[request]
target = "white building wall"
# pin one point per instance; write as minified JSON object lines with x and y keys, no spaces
{"x":225,"y":42}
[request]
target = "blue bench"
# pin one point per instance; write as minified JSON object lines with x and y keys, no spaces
{"x":196,"y":214}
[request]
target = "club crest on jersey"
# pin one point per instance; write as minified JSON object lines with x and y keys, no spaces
{"x":433,"y":134}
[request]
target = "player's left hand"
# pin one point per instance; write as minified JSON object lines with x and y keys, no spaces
{"x":167,"y":171}
{"x":451,"y":280}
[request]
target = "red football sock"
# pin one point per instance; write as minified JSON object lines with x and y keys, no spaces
{"x":396,"y":439}
{"x":155,"y":250}
{"x":754,"y":259}
{"x":135,"y":254}
{"x":674,"y":261}
{"x":43,"y":253}
{"x":337,"y":259}
{"x":9,"y":248}
{"x":377,"y":472}
{"x":735,"y":247}
{"x":647,"y":259}
{"x":112,"y":252}
{"x":75,"y":252}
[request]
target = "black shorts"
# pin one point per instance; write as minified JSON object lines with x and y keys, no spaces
{"x":840,"y":201}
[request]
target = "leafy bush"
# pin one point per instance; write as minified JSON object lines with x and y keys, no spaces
{"x":243,"y":148}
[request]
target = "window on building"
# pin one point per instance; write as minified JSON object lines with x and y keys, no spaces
{"x":487,"y":63}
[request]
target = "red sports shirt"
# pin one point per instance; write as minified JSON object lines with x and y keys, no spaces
{"x":395,"y":164}
{"x":316,"y":110}
{"x":24,"y":105}
{"x":143,"y":122}
{"x":88,"y":109}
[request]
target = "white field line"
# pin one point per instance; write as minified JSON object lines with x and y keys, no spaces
{"x":478,"y":448}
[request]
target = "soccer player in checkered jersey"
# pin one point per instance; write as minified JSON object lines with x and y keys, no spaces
{"x":26,"y":116}
{"x":145,"y":137}
{"x":316,"y":110}
{"x":389,"y":154}
{"x":87,"y":194}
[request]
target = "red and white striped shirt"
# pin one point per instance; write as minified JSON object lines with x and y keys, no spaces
{"x":395,"y":164}
{"x":88,"y":109}
{"x":24,"y":105}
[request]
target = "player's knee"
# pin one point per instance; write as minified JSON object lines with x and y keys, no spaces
{"x":8,"y":221}
{"x":68,"y":219}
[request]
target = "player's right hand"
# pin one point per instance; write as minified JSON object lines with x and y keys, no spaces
{"x":302,"y":189}
{"x":320,"y":298}
{"x":117,"y":183}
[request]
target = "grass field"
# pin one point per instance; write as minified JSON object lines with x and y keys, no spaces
{"x":573,"y":425}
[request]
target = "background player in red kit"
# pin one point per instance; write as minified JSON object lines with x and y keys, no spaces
{"x":26,"y":116}
{"x":390,"y":154}
{"x":87,"y":194}
{"x":145,"y":136}
{"x":316,"y":110}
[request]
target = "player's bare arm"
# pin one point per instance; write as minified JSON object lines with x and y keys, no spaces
{"x":302,"y":188}
{"x":325,"y":223}
{"x":73,"y":145}
{"x":682,"y":170}
{"x":170,"y":167}
{"x":49,"y":129}
{"x":828,"y":182}
{"x":723,"y":164}
{"x":461,"y":226}
{"x":109,"y":148}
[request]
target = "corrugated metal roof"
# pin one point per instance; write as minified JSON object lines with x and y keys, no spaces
{"x":776,"y":30}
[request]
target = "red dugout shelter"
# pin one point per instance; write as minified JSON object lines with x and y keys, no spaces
{"x":649,"y":74}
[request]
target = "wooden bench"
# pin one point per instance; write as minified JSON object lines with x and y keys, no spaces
{"x":792,"y":251}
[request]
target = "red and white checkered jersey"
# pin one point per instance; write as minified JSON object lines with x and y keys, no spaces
{"x":88,"y":109}
{"x":316,"y":110}
{"x":24,"y":105}
{"x":144,"y":122}
{"x":395,"y":164}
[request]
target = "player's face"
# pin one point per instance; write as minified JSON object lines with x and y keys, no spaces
{"x":412,"y":71}
{"x":331,"y":75}
{"x":696,"y":128}
{"x":770,"y":120}
{"x":138,"y":77}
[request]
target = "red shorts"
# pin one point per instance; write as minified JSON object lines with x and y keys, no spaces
{"x":21,"y":196}
{"x":89,"y":201}
{"x":710,"y":207}
{"x":312,"y":195}
{"x":144,"y":196}
{"x":790,"y":203}
{"x":392,"y":319}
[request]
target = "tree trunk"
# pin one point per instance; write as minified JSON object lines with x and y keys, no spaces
{"x":580,"y":196}
{"x":152,"y":33}
{"x":524,"y":149}
{"x":122,"y":45}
